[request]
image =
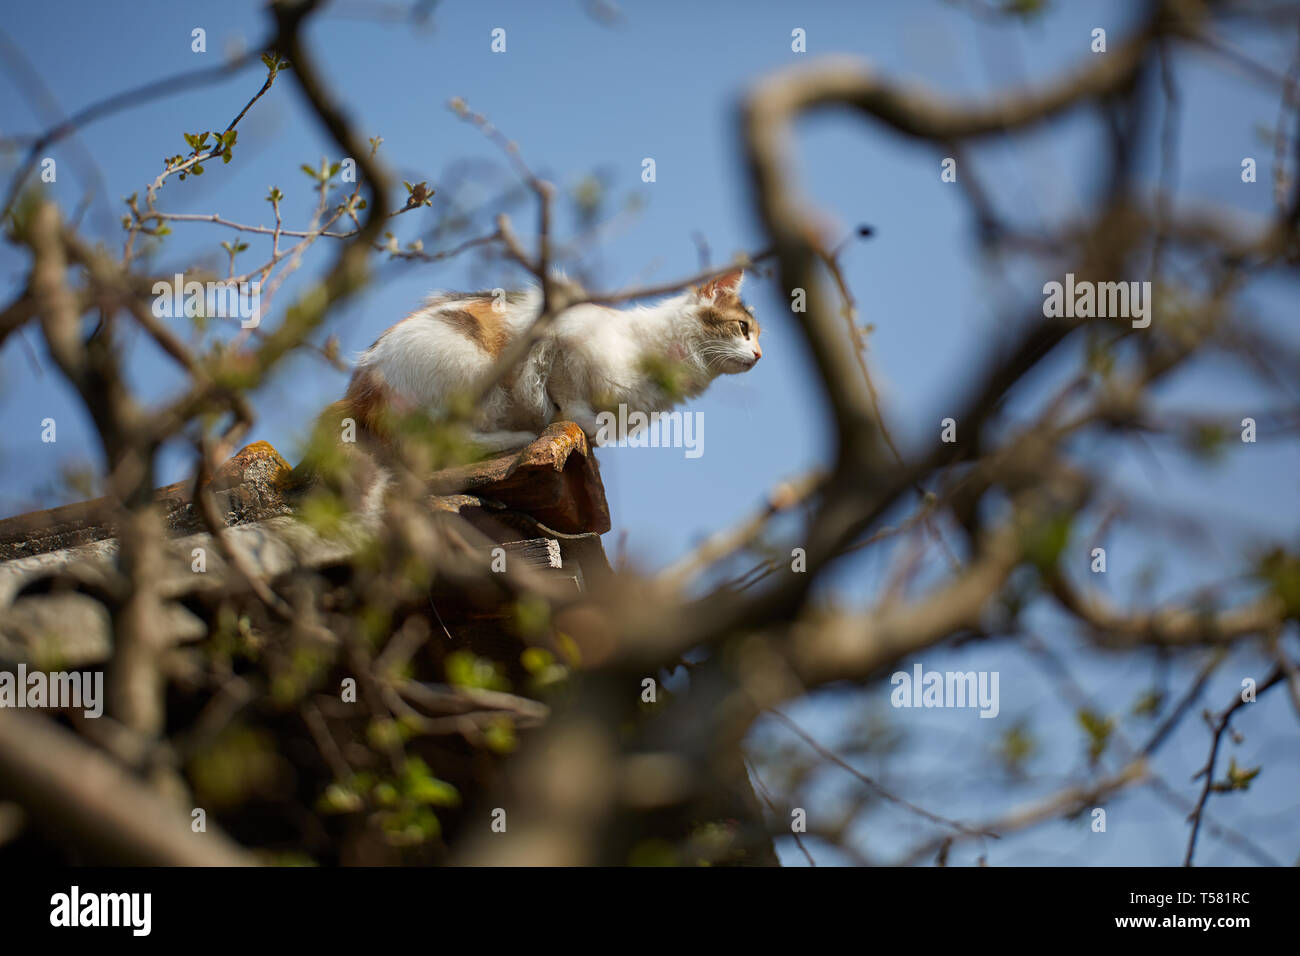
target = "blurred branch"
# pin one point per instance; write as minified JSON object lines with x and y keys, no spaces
{"x":78,"y":794}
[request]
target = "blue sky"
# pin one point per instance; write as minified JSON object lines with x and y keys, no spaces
{"x":582,"y":98}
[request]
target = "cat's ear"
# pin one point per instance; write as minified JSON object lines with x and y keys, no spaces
{"x":728,"y":284}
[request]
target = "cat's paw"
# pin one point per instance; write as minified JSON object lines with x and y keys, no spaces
{"x":502,"y":441}
{"x":585,"y":420}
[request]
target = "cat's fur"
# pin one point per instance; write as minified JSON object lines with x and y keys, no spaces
{"x":592,"y":358}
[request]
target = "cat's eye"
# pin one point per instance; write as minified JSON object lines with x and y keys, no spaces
{"x":744,"y":328}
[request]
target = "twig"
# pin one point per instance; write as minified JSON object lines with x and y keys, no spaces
{"x":1217,"y":726}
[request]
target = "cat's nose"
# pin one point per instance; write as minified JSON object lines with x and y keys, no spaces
{"x":758,"y":353}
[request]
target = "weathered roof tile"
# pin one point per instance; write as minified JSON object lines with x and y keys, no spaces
{"x":555,"y":479}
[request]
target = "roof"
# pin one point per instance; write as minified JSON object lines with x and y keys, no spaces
{"x":545,"y":502}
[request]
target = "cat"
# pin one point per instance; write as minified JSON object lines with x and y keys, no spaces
{"x":591,"y":358}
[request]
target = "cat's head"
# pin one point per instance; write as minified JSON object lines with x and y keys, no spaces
{"x":728,"y":342}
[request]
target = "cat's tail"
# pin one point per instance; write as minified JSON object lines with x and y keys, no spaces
{"x":350,"y":441}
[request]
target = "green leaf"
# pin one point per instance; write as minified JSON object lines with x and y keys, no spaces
{"x":500,"y":736}
{"x":1281,"y":572}
{"x":532,"y":616}
{"x":466,"y":669}
{"x":536,"y":659}
{"x":1026,"y":9}
{"x":1239,"y":778}
{"x":1016,"y":747}
{"x":1044,"y":541}
{"x":1149,"y":703}
{"x":339,"y":798}
{"x":422,"y":786}
{"x":383,"y":733}
{"x":1098,"y":729}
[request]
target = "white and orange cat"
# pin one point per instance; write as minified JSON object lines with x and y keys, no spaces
{"x":592,"y":358}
